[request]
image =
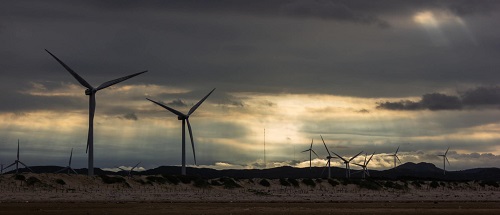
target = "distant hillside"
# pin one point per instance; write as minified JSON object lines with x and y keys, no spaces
{"x":423,"y":171}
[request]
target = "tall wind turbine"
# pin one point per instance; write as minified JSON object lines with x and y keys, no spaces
{"x":364,"y":165}
{"x":346,"y":162}
{"x":395,"y":155}
{"x":91,"y":91}
{"x":129,"y":172}
{"x":310,"y":154}
{"x":329,"y":157}
{"x":17,"y":161}
{"x":185,"y":118}
{"x":445,"y":158}
{"x":69,"y":165}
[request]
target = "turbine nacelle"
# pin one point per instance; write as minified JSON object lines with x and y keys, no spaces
{"x":89,"y":91}
{"x":182,"y":117}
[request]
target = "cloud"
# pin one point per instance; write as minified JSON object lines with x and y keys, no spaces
{"x":130,"y":116}
{"x":177,"y":103}
{"x":473,"y":98}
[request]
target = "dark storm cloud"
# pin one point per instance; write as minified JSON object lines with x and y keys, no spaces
{"x":177,"y":103}
{"x":131,"y":116}
{"x":473,"y":98}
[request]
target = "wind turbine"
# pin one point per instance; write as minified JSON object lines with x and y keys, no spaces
{"x":329,"y":157}
{"x":69,"y":165}
{"x":364,"y":165}
{"x":129,"y":172}
{"x":91,"y":91}
{"x":17,"y":161}
{"x":185,"y":118}
{"x":310,"y":154}
{"x":445,"y":158}
{"x":395,"y":155}
{"x":346,"y":162}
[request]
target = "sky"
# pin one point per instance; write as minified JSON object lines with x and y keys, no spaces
{"x":368,"y":76}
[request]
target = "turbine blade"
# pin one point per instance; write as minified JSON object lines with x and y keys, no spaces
{"x":323,"y":171}
{"x":306,"y":150}
{"x":73,"y":170}
{"x":70,"y":156}
{"x":17,"y":149}
{"x":325,"y":146}
{"x":358,"y":164}
{"x":339,"y":156}
{"x":192,"y":141}
{"x":370,"y":159}
{"x":65,"y":168}
{"x":398,"y":159}
{"x":136,"y":165}
{"x":118,"y":80}
{"x":397,"y":150}
{"x":73,"y":73}
{"x":9,"y":165}
{"x":355,"y":156}
{"x":448,"y":161}
{"x":312,"y":140}
{"x":446,"y":151}
{"x":199,"y":103}
{"x":26,"y":166}
{"x":168,"y":108}
{"x":121,"y":169}
{"x":315,"y":153}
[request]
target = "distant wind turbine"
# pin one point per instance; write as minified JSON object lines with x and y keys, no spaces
{"x":69,"y":165}
{"x":395,"y":155}
{"x":364,"y":165}
{"x":185,"y":118}
{"x":91,"y":91}
{"x":129,"y":172}
{"x":310,"y":150}
{"x":445,"y":158}
{"x":17,"y":161}
{"x":329,"y":157}
{"x":346,"y":162}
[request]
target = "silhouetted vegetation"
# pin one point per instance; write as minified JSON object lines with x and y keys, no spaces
{"x":201,"y":183}
{"x":417,"y":184}
{"x":264,"y":182}
{"x":369,"y":184}
{"x":434,"y":184}
{"x":171,"y":179}
{"x":258,"y":192}
{"x":111,"y":180}
{"x":229,"y":183}
{"x":186,"y":179}
{"x":489,"y":183}
{"x":157,"y":179}
{"x":215,"y":183}
{"x":32,"y":181}
{"x":294,"y":182}
{"x":285,"y":183}
{"x":19,"y":177}
{"x":60,"y":181}
{"x":309,"y":182}
{"x":333,"y":182}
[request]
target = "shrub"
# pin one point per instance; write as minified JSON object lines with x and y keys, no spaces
{"x":19,"y":177}
{"x":186,"y":179}
{"x":171,"y":179}
{"x":201,"y":183}
{"x":264,"y":182}
{"x":60,"y":181}
{"x":111,"y":180}
{"x":229,"y":183}
{"x":416,"y":184}
{"x":309,"y":182}
{"x":319,"y":181}
{"x":32,"y":181}
{"x":389,"y":184}
{"x":215,"y":183}
{"x":368,"y":184}
{"x":434,"y":184}
{"x":489,"y":183}
{"x":333,"y":182}
{"x":294,"y":182}
{"x":157,"y":179}
{"x":285,"y":183}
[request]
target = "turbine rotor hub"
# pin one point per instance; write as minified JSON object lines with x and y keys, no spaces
{"x":89,"y":91}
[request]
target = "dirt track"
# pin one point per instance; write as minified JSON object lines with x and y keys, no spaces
{"x":252,"y":208}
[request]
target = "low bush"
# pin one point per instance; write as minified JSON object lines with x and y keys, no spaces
{"x":333,"y":182}
{"x":111,"y":180}
{"x":294,"y":182}
{"x":309,"y":182}
{"x":171,"y":179}
{"x":201,"y":183}
{"x":60,"y":181}
{"x":434,"y":184}
{"x":19,"y":177}
{"x":264,"y":182}
{"x":489,"y":183}
{"x":157,"y":179}
{"x":229,"y":183}
{"x":32,"y":181}
{"x":285,"y":183}
{"x":368,"y":184}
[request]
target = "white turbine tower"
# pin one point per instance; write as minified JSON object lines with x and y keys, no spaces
{"x":69,"y":165}
{"x":185,"y":118}
{"x":310,"y":150}
{"x":445,"y":158}
{"x":17,"y":161}
{"x":129,"y":172}
{"x":91,"y":91}
{"x":346,"y":162}
{"x":395,"y":155}
{"x":329,"y":157}
{"x":364,"y":165}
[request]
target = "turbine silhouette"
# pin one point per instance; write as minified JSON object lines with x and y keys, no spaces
{"x":91,"y":91}
{"x":445,"y":158}
{"x":17,"y":161}
{"x":395,"y":155}
{"x":185,"y":118}
{"x":346,"y":162}
{"x":329,"y":157}
{"x":310,"y":154}
{"x":69,"y":165}
{"x":364,"y":165}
